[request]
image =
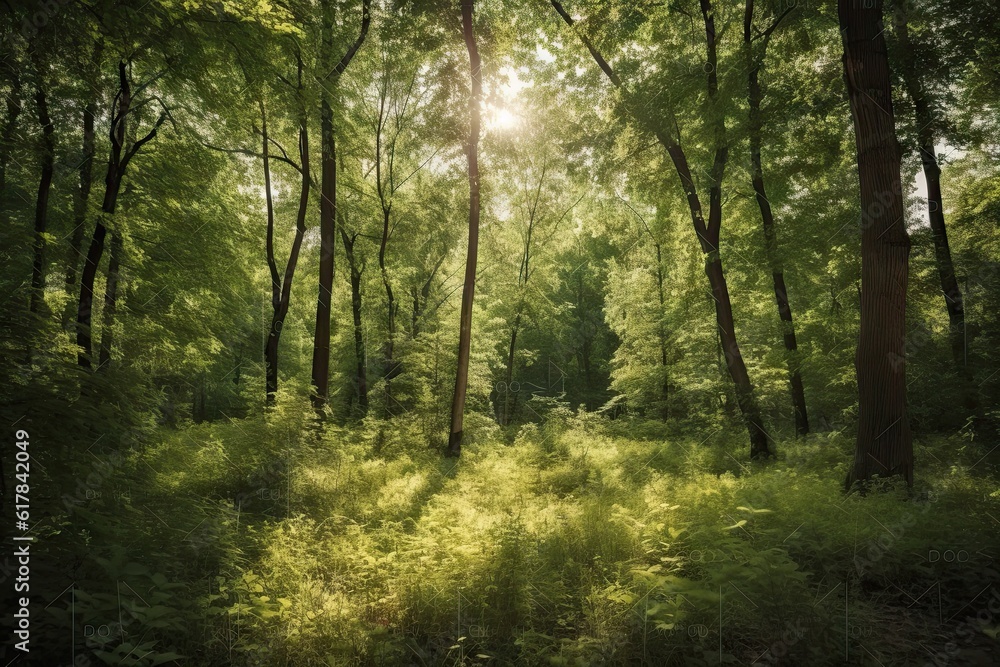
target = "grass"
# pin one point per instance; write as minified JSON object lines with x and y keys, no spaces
{"x":577,"y":543}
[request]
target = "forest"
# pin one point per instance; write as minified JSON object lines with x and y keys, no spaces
{"x":496,"y":332}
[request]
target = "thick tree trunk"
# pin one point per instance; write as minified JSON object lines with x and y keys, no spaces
{"x":925,"y":116}
{"x":468,"y":291}
{"x":755,"y":96}
{"x":360,"y":354}
{"x":42,"y":201}
{"x":110,"y":303}
{"x":80,"y":206}
{"x":884,"y":445}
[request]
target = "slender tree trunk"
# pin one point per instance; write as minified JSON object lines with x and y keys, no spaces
{"x":80,"y":206}
{"x":391,"y":308}
{"x":281,"y":288}
{"x":42,"y":201}
{"x":328,"y":201}
{"x":926,"y":123}
{"x":755,"y":96}
{"x":884,"y":445}
{"x":360,"y":355}
{"x":327,"y":258}
{"x":110,"y":303}
{"x":468,"y":291}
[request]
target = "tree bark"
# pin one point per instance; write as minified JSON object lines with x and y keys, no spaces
{"x":884,"y":445}
{"x":755,"y":97}
{"x":468,"y":290}
{"x":110,"y":303}
{"x":328,"y":205}
{"x":42,"y":200}
{"x":360,"y":355}
{"x":926,"y":116}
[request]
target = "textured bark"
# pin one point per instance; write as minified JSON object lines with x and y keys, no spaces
{"x":328,"y":203}
{"x":42,"y":200}
{"x":925,"y":116}
{"x":884,"y":445}
{"x":468,"y":290}
{"x":755,"y":96}
{"x":708,"y":234}
{"x":360,"y":353}
{"x":391,"y":308}
{"x":110,"y":303}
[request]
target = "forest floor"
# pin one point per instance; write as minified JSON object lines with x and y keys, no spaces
{"x":581,"y":542}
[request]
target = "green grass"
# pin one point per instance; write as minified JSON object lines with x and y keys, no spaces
{"x":572,"y":544}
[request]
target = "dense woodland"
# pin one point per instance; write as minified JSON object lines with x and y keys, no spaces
{"x":413,"y":332}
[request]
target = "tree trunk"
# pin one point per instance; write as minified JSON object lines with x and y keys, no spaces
{"x":80,"y":206}
{"x":884,"y":445}
{"x":328,"y":203}
{"x":468,"y":290}
{"x":110,"y":303}
{"x":926,"y":116}
{"x":361,"y":376}
{"x":42,"y":201}
{"x":283,"y":286}
{"x":391,"y":307}
{"x":327,"y":261}
{"x":755,"y":96}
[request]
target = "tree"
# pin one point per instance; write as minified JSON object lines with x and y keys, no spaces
{"x":928,"y":120}
{"x":884,"y":444}
{"x":468,"y":290}
{"x":667,"y":132}
{"x":754,"y":97}
{"x":328,"y":198}
{"x":121,"y":154}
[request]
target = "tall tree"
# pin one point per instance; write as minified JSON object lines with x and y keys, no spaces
{"x":42,"y":198}
{"x":928,"y":121}
{"x":707,"y":233}
{"x":328,"y":199}
{"x":121,"y":154}
{"x":884,"y":445}
{"x":755,"y":61}
{"x":281,"y":287}
{"x":469,"y":287}
{"x":82,"y":196}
